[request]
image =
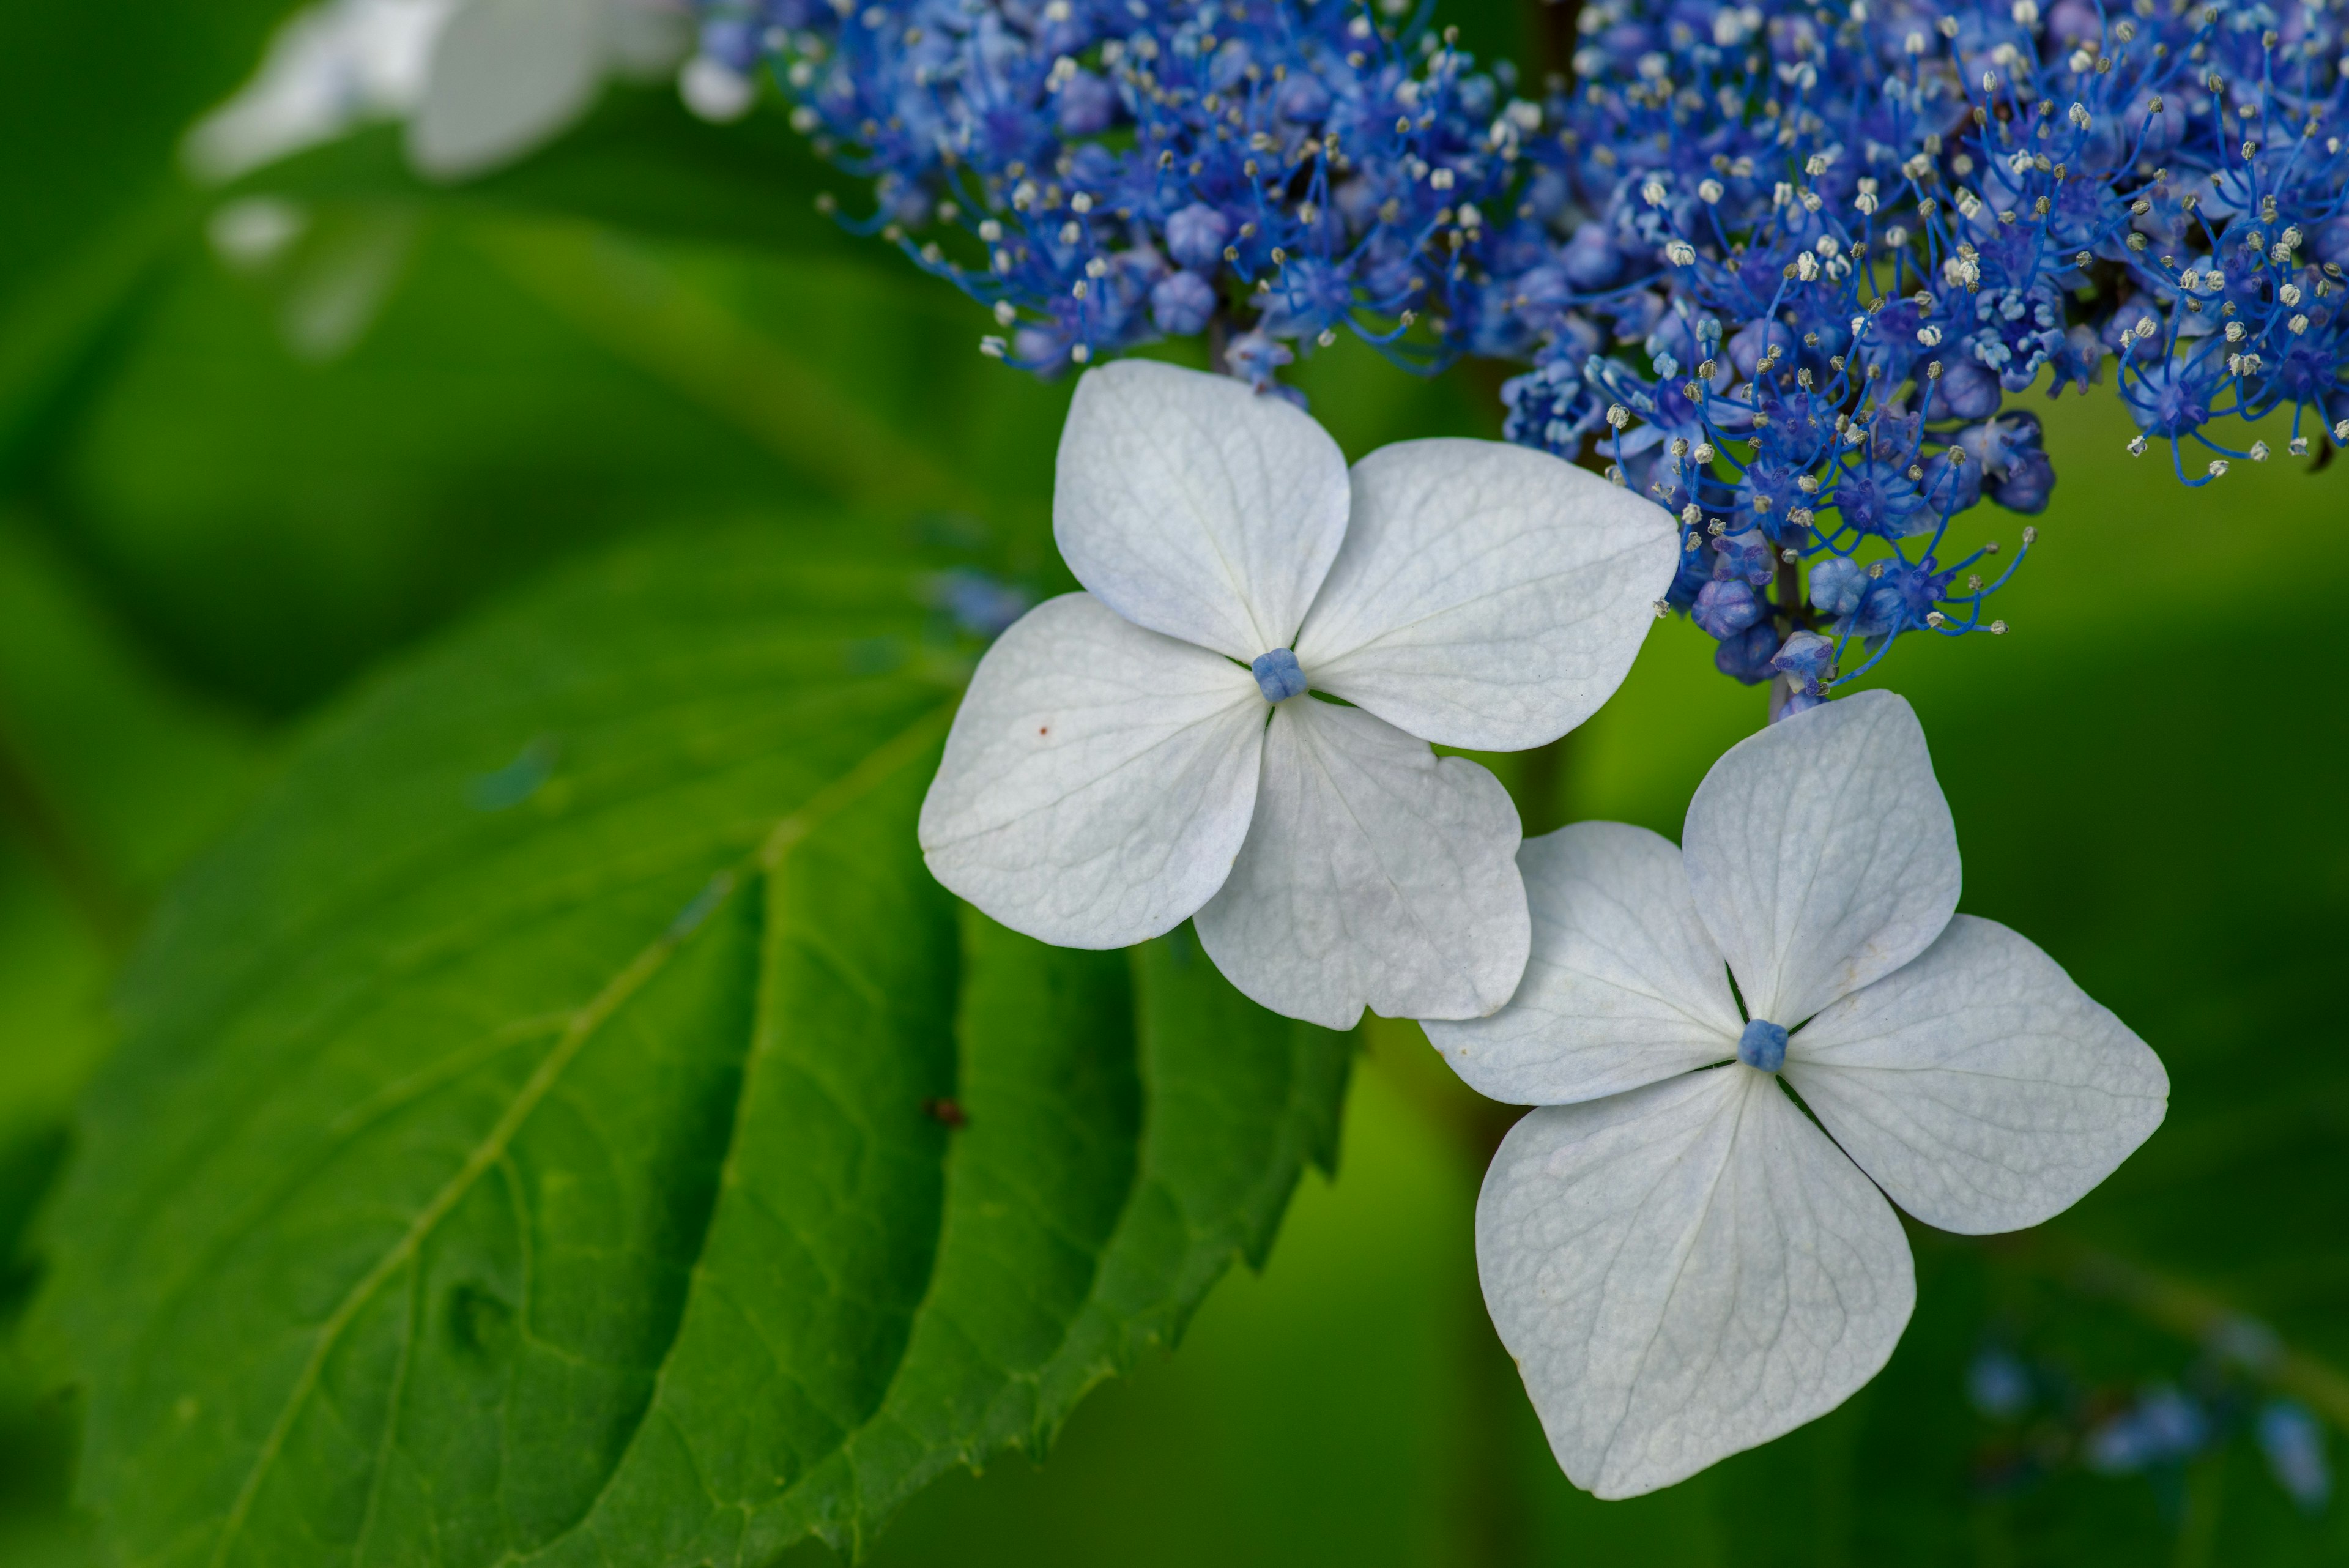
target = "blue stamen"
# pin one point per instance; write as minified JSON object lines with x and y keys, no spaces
{"x":1762,"y":1045}
{"x":1277,"y":677}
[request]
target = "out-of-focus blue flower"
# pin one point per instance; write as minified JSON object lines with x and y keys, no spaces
{"x":977,"y":603}
{"x":1777,"y":268}
{"x":1999,"y":1386}
{"x":1182,"y":303}
{"x":2164,"y":1427}
{"x":2293,"y":1442}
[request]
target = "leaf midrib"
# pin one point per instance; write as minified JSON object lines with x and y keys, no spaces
{"x":563,"y":895}
{"x":868,"y":774}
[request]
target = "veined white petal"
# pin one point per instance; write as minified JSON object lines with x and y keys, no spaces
{"x":1197,"y":506}
{"x":1487,"y":595}
{"x":1822,"y":854}
{"x":1683,"y":1271}
{"x":1376,"y":873}
{"x":506,"y":75}
{"x":1624,"y":985}
{"x":1978,"y":1086}
{"x":1098,"y":780}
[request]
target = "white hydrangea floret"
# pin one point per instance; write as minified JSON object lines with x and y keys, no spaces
{"x":1684,"y":1265}
{"x":1152,"y":748}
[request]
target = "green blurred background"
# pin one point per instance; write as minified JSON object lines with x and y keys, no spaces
{"x":231,"y":486}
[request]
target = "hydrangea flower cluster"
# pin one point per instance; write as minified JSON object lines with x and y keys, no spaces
{"x":1838,"y":240}
{"x":1122,"y":170}
{"x":1777,"y":265}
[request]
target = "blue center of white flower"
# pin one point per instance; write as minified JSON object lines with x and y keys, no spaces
{"x":1762,"y":1045}
{"x":1277,"y":677}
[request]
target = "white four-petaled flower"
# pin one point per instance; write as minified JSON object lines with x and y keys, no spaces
{"x":1156,"y":748}
{"x":1681,"y":1262}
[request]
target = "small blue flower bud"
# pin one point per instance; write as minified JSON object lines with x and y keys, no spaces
{"x":1196,"y":236}
{"x":1253,"y":357}
{"x":1966,"y":391}
{"x":1795,"y":703}
{"x":1746,"y":657}
{"x":1590,"y":259}
{"x":1725,"y":608}
{"x":1838,"y":585}
{"x":1762,"y":1045}
{"x":1181,"y":303}
{"x":1747,"y":555}
{"x":1304,"y":99}
{"x":1087,"y":105}
{"x":1808,"y":656}
{"x":1277,"y":676}
{"x":2029,"y":483}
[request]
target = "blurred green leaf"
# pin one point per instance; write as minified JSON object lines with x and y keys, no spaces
{"x":566,"y":1123}
{"x":109,"y":776}
{"x":94,"y":98}
{"x":272,"y":519}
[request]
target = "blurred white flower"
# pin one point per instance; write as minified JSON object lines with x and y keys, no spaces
{"x":330,"y":70}
{"x":1149,"y":749}
{"x":1681,"y":1262}
{"x":479,"y":82}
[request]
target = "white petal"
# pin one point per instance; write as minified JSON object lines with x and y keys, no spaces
{"x":1488,"y":595}
{"x":1683,"y":1271}
{"x":1624,"y":986}
{"x":1980,"y":1087}
{"x":1822,"y":854}
{"x":1376,"y":874}
{"x":1195,"y":506}
{"x":1099,"y":778}
{"x":506,"y":75}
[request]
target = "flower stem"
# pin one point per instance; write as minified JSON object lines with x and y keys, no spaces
{"x":1541,"y":786}
{"x":2194,"y":1313}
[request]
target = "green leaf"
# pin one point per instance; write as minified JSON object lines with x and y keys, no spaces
{"x":567,"y":1124}
{"x":96,"y":100}
{"x":530,"y":389}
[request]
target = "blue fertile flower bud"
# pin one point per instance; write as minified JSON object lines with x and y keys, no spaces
{"x":1762,"y":1045}
{"x":1807,"y":656}
{"x":1748,"y":555}
{"x":1181,"y":303}
{"x":1253,"y":357}
{"x":1966,"y":391}
{"x":1196,"y":236}
{"x":1726,"y":606}
{"x":2028,"y":486}
{"x":1277,"y":676}
{"x":1745,"y":657}
{"x":1838,"y":585}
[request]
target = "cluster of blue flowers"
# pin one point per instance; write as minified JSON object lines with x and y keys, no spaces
{"x":1777,"y":265}
{"x":2043,"y":1421}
